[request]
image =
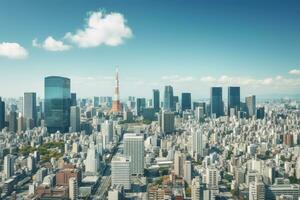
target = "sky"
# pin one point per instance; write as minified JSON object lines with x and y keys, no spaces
{"x":189,"y":44}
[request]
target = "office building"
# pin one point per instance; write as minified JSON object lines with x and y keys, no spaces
{"x":73,"y":188}
{"x":12,"y":121}
{"x":75,"y":119}
{"x":134,"y":147}
{"x":179,"y":162}
{"x":257,"y":190}
{"x":233,"y":100}
{"x":168,"y":98}
{"x":186,"y":101}
{"x":251,"y":105}
{"x":140,"y":105}
{"x":57,"y":104}
{"x":260,"y":113}
{"x":8,"y":167}
{"x":92,"y":160}
{"x":30,"y":111}
{"x":73,"y":99}
{"x":156,"y":100}
{"x":167,"y":122}
{"x":107,"y":131}
{"x":216,"y":102}
{"x":2,"y":114}
{"x":120,"y":171}
{"x":187,"y":171}
{"x":212,"y":177}
{"x":96,"y":101}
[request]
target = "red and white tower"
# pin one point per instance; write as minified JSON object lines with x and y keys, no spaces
{"x":116,"y":106}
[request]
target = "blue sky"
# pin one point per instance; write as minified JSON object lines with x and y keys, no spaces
{"x":191,"y":45}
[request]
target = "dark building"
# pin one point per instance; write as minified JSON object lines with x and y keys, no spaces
{"x":175,"y":101}
{"x":140,"y":105}
{"x":96,"y":101}
{"x":156,"y":100}
{"x":2,"y":114}
{"x":216,"y":102}
{"x":57,"y":104}
{"x":12,"y":121}
{"x":30,"y":110}
{"x":186,"y":101}
{"x":73,"y":99}
{"x":260,"y":113}
{"x":234,"y":99}
{"x":168,"y":98}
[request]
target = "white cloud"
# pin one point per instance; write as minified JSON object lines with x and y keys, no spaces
{"x":50,"y":44}
{"x":177,"y":78}
{"x":295,"y":71}
{"x":13,"y":50}
{"x":109,"y":29}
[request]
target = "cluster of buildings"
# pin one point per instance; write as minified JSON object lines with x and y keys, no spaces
{"x":64,"y":147}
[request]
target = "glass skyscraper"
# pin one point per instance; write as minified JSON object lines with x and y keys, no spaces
{"x":234,"y":100}
{"x":156,"y":100}
{"x":186,"y":102}
{"x":216,"y":102}
{"x":57,"y":104}
{"x":2,"y":114}
{"x":73,"y":99}
{"x":168,"y":98}
{"x":30,"y":112}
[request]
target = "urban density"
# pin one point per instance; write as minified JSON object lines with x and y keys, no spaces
{"x":165,"y":147}
{"x":149,"y":100}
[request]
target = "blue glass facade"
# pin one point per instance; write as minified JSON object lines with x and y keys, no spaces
{"x":216,"y":101}
{"x":168,"y":98}
{"x":57,"y":104}
{"x":234,"y":99}
{"x":186,"y":101}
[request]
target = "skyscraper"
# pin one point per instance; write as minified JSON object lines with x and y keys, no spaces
{"x":216,"y":101}
{"x":168,"y":98}
{"x":92,"y":160}
{"x":251,"y":105}
{"x":186,"y":102}
{"x":75,"y":119}
{"x":73,"y":99}
{"x":12,"y":121}
{"x":30,"y":112}
{"x":96,"y":101}
{"x":116,"y":106}
{"x":140,"y":105}
{"x":234,"y":100}
{"x":8,"y":166}
{"x":57,"y":104}
{"x":134,"y":147}
{"x":73,"y":188}
{"x":2,"y":114}
{"x":167,"y":122}
{"x":120,"y":171}
{"x":156,"y":100}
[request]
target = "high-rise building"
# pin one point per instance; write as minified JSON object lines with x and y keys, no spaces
{"x":120,"y":171}
{"x":234,"y":101}
{"x":107,"y":131}
{"x":57,"y":104}
{"x":30,"y":111}
{"x":73,"y":188}
{"x":12,"y":121}
{"x":197,"y":189}
{"x":187,"y":171}
{"x":251,"y":105}
{"x":134,"y":147}
{"x":212,"y":177}
{"x":176,"y":105}
{"x":260,"y":113}
{"x":92,"y":160}
{"x":168,"y":98}
{"x":156,"y":100}
{"x":31,"y":163}
{"x":75,"y":119}
{"x":73,"y":99}
{"x":8,"y":166}
{"x":186,"y":101}
{"x":257,"y":190}
{"x":179,"y":161}
{"x":216,"y":102}
{"x":21,"y":123}
{"x":2,"y":114}
{"x":140,"y":105}
{"x":116,"y":105}
{"x":96,"y":101}
{"x":198,"y":143}
{"x":167,"y":122}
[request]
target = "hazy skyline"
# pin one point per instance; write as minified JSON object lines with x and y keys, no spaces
{"x":190,"y":45}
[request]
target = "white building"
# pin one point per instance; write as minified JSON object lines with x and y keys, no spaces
{"x":134,"y":148}
{"x":120,"y":171}
{"x":8,"y":166}
{"x":73,"y":188}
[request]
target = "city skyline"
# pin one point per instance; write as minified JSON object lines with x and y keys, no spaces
{"x":249,"y":47}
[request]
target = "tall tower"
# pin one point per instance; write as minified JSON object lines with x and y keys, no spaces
{"x":116,"y":106}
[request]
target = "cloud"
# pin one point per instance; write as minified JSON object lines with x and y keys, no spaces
{"x":101,"y":28}
{"x":12,"y":50}
{"x":295,"y":71}
{"x":177,"y":78}
{"x":50,"y":44}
